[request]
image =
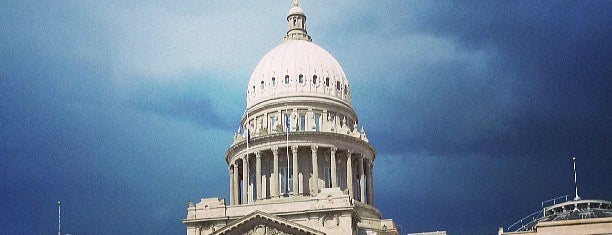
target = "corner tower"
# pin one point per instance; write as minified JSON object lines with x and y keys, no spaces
{"x":298,"y":158}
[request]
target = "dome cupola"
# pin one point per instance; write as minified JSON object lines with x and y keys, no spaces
{"x":296,"y":24}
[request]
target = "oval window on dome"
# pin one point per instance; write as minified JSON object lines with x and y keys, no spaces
{"x":327,"y":81}
{"x":301,"y":79}
{"x":273,"y":81}
{"x":287,"y":79}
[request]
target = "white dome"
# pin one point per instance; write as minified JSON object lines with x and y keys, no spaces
{"x":310,"y":69}
{"x":295,"y":10}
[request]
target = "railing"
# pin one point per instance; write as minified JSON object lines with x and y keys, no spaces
{"x":554,"y":200}
{"x":535,"y":215}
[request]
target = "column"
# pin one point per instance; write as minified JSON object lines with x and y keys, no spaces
{"x":294,"y":150}
{"x":362,"y":189}
{"x":349,"y":173}
{"x":258,"y":174}
{"x":334,"y":180}
{"x":231,"y":184}
{"x":236,"y":184}
{"x":369,"y":183}
{"x":245,"y":180}
{"x":274,"y":187}
{"x":315,"y":171}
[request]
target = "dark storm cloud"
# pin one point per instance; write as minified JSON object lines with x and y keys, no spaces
{"x":124,"y":110}
{"x":475,"y":109}
{"x":542,"y":87}
{"x":175,"y":102}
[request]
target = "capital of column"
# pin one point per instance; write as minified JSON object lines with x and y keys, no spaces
{"x":349,"y":153}
{"x":294,"y":148}
{"x":274,"y":150}
{"x":258,"y":154}
{"x":314,"y":148}
{"x":333,"y":149}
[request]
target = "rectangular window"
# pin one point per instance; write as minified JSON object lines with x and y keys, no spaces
{"x":327,"y":177}
{"x":286,"y":185}
{"x":317,"y":121}
{"x":260,"y":122}
{"x":302,"y":121}
{"x":272,"y":124}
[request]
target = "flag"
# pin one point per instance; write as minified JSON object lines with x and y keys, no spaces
{"x":287,"y":122}
{"x":248,"y":135}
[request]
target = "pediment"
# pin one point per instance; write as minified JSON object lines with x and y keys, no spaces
{"x":259,"y":223}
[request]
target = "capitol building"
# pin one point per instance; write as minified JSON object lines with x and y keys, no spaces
{"x":300,"y":163}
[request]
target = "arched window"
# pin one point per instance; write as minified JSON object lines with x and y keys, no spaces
{"x":314,"y":79}
{"x":337,"y":85}
{"x":287,"y":79}
{"x":345,"y":89}
{"x":253,"y":90}
{"x":273,"y":81}
{"x":301,"y":79}
{"x":262,"y":85}
{"x":327,"y":81}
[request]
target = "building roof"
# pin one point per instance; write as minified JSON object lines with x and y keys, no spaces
{"x":570,"y":210}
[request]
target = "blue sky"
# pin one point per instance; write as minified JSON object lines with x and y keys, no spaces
{"x":123,"y":110}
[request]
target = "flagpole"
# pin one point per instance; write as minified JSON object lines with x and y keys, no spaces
{"x":575,"y":183}
{"x":59,"y":218}
{"x":248,"y":127}
{"x":288,"y":126}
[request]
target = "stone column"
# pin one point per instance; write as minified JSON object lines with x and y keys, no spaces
{"x":349,"y":173}
{"x":231,"y":184}
{"x":362,"y":189}
{"x":369,"y":183}
{"x":294,"y":150}
{"x":245,"y":180}
{"x":258,"y":174}
{"x":236,"y":185}
{"x":334,"y":179}
{"x":315,"y":171}
{"x":274,"y":187}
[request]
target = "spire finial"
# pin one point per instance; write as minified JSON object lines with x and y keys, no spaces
{"x":295,"y":3}
{"x":575,"y":183}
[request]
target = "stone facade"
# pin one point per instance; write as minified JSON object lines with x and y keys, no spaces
{"x":298,"y":164}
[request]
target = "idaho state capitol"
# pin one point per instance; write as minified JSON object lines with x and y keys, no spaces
{"x":299,"y":164}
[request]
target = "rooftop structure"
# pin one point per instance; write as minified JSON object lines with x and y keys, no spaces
{"x":576,"y":217}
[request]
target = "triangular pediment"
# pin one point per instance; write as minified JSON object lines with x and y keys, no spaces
{"x":259,"y":223}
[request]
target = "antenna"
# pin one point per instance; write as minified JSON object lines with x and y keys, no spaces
{"x":59,"y":218}
{"x":575,"y":183}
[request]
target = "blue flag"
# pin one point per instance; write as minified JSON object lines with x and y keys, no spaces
{"x":287,"y":122}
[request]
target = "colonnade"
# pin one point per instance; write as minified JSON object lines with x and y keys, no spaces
{"x":239,"y":188}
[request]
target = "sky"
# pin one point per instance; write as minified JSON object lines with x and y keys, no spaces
{"x":123,"y":110}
